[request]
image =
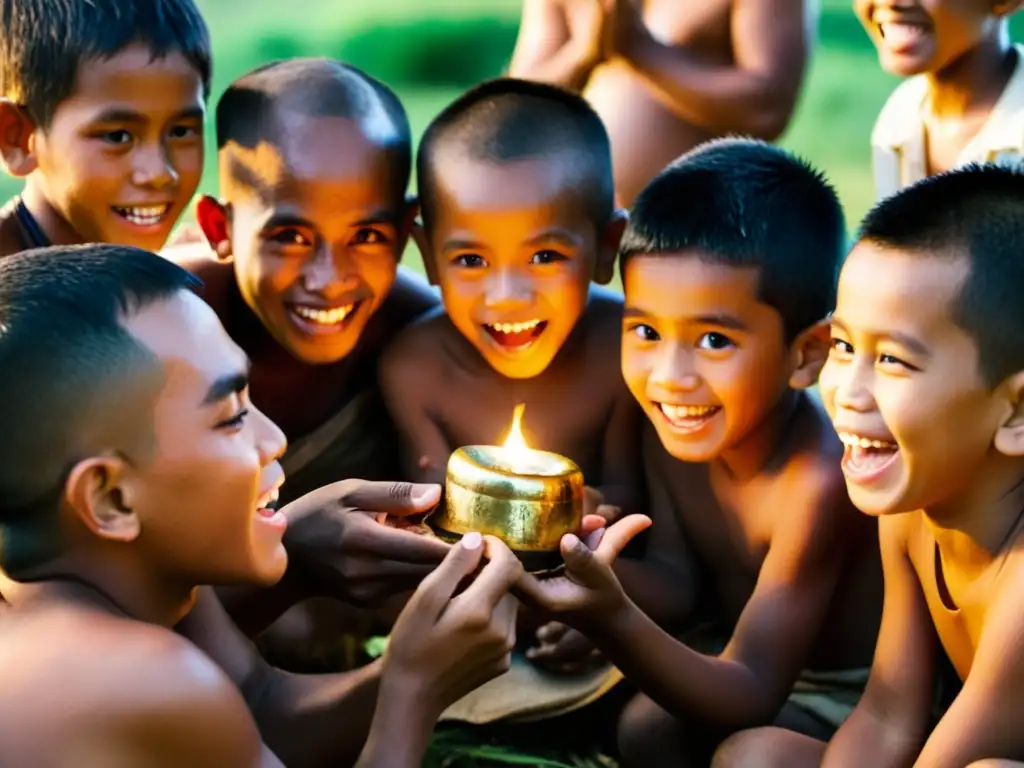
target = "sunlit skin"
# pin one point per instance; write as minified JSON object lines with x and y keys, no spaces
{"x":946,"y":37}
{"x":701,"y":353}
{"x":123,"y":154}
{"x":201,"y":500}
{"x":316,"y":242}
{"x":511,"y":243}
{"x":897,"y":360}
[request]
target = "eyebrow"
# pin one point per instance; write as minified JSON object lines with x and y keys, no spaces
{"x":722,"y":321}
{"x":226,"y":386}
{"x":904,"y":340}
{"x":555,"y":235}
{"x":118,"y":115}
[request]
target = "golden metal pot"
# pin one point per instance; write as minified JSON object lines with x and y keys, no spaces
{"x":529,"y":506}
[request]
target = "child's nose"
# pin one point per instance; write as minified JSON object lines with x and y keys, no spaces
{"x":674,"y":370}
{"x":507,"y":289}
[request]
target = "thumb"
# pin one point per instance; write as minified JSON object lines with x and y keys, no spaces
{"x":579,"y":559}
{"x":393,"y":498}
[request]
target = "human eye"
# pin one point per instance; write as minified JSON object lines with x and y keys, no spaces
{"x":184,"y":131}
{"x":236,"y":421}
{"x":370,"y":236}
{"x":470,"y":260}
{"x":286,"y":236}
{"x":840,"y":347}
{"x":117,"y":137}
{"x":548,"y":257}
{"x":715,"y":341}
{"x":891,"y":361}
{"x":644,"y":332}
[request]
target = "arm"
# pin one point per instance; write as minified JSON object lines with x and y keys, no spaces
{"x":756,"y":94}
{"x":748,"y":683}
{"x":305,"y":719}
{"x":889,"y":724}
{"x":405,"y":380}
{"x":662,"y":583}
{"x":546,"y":50}
{"x":621,"y":471}
{"x":984,"y":720}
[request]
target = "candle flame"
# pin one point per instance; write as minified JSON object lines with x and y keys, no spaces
{"x":515,"y":443}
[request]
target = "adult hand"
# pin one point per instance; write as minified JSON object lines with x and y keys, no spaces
{"x":340,"y":549}
{"x":444,"y":644}
{"x":588,"y":589}
{"x":563,"y":650}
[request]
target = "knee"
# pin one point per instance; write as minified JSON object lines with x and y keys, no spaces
{"x":647,"y":734}
{"x":744,"y":748}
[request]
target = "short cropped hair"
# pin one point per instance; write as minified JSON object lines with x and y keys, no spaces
{"x":62,"y":345}
{"x":251,"y":109}
{"x":44,"y":42}
{"x":745,"y":203}
{"x":975,"y":212}
{"x":506,"y":120}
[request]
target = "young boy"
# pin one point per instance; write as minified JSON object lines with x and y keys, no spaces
{"x":924,"y":384}
{"x":666,"y":75}
{"x":315,"y":158}
{"x":133,"y":469}
{"x":516,"y":194}
{"x":963,"y":100}
{"x":102,"y":114}
{"x":729,"y":265}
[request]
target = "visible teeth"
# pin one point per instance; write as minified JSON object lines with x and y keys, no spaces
{"x":323,"y":316}
{"x":677,"y":412}
{"x":515,"y":327}
{"x":862,"y":442}
{"x":269,"y":500}
{"x":144,"y":215}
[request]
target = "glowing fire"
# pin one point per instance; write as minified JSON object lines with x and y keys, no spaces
{"x":519,"y":455}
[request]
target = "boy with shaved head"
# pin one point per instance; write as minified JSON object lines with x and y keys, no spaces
{"x":307,"y":235}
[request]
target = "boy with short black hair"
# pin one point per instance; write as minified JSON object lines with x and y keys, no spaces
{"x":729,"y":263}
{"x":134,"y":470}
{"x":516,"y":191}
{"x":925,"y":384}
{"x":101,"y":112}
{"x":963,"y":100}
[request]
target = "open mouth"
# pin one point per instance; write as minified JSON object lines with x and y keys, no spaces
{"x":323,"y":319}
{"x":866,"y":458}
{"x":900,"y":35}
{"x":688,"y":418}
{"x":266,"y":505}
{"x":516,"y":337}
{"x":143,"y":215}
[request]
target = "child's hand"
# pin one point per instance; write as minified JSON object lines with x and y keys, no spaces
{"x":562,"y":650}
{"x":444,"y":644}
{"x":593,"y":504}
{"x":586,"y":23}
{"x":588,"y":589}
{"x":623,"y":27}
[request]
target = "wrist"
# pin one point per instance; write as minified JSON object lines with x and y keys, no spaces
{"x":402,"y":724}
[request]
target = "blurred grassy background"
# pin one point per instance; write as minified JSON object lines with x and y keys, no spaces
{"x":429,"y":52}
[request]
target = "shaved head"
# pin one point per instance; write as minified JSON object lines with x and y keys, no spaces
{"x":283,"y":112}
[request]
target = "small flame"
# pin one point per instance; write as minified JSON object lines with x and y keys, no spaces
{"x":517,"y":452}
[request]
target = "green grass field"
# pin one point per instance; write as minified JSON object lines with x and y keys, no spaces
{"x":406,"y":42}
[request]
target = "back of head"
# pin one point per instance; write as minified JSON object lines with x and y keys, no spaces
{"x":745,"y":203}
{"x":255,"y":108}
{"x":65,"y":356}
{"x":975,"y":212}
{"x":43,"y":43}
{"x":507,"y":120}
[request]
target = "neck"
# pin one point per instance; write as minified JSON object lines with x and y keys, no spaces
{"x":766,"y":442}
{"x":56,"y":228}
{"x":105,"y":586}
{"x":973,"y":529}
{"x":975,"y":80}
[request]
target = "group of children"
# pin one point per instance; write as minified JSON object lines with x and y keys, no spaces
{"x":767,"y":617}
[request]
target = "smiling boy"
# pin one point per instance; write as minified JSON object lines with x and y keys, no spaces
{"x":729,"y":263}
{"x":102,"y":114}
{"x":925,"y":385}
{"x":963,"y":100}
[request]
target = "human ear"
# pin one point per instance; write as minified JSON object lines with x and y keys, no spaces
{"x":419,"y":234}
{"x":608,"y":247}
{"x":406,"y":223}
{"x":214,"y":219}
{"x":96,"y":493}
{"x":810,"y":351}
{"x":1009,"y":438}
{"x":1005,"y":8}
{"x":16,"y":130}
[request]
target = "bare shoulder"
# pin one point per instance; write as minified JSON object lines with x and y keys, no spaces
{"x":217,"y":277}
{"x":10,"y":232}
{"x":414,"y":348}
{"x":600,"y":328}
{"x":159,"y":693}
